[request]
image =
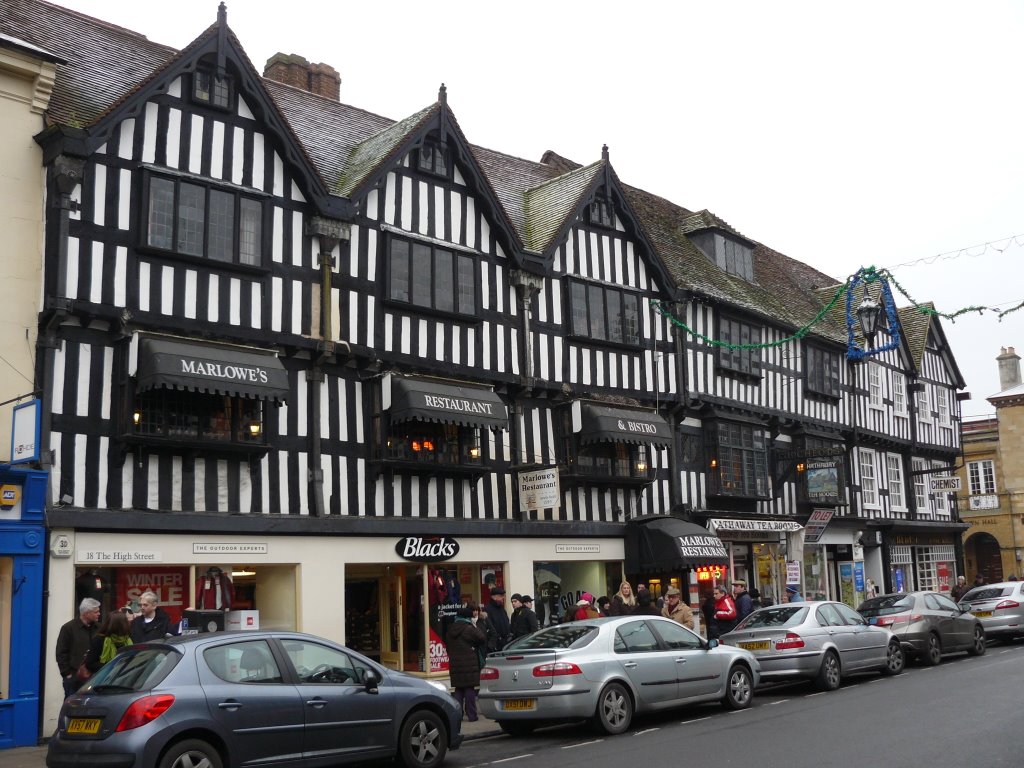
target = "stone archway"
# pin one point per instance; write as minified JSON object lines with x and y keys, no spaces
{"x":982,"y":555}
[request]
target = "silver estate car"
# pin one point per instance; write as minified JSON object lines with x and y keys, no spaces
{"x":999,"y":607}
{"x":820,"y":641}
{"x":928,"y":624}
{"x":604,"y":670}
{"x":231,"y":699}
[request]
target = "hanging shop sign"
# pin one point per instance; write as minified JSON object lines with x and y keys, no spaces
{"x":538,"y":489}
{"x":427,"y":549}
{"x":25,"y":424}
{"x":816,"y":525}
{"x":945,"y":483}
{"x":823,"y":480}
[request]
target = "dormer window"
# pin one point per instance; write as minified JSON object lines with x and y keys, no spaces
{"x":433,"y":159}
{"x":210,"y":88}
{"x":602,"y":213}
{"x":732,"y":256}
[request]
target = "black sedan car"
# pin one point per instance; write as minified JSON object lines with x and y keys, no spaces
{"x":928,"y":624}
{"x":234,"y":699}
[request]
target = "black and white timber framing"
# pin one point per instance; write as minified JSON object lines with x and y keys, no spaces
{"x":335,"y":186}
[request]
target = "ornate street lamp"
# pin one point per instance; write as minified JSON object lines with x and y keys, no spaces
{"x":869,"y":314}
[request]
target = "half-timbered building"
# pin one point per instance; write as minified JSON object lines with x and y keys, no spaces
{"x":338,"y":372}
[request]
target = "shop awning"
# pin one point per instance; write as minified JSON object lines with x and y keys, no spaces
{"x":601,"y":424}
{"x":420,"y":400}
{"x":215,"y":368}
{"x":669,"y":544}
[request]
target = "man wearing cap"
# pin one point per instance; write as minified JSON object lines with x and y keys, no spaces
{"x":676,"y":609}
{"x":793,"y":594}
{"x":744,"y":602}
{"x":495,"y":610}
{"x":524,"y":621}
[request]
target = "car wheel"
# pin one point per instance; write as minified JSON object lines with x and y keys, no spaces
{"x":978,"y":647}
{"x":614,"y":709}
{"x":830,"y":674}
{"x":516,"y":727}
{"x":423,"y":741}
{"x":739,"y":689}
{"x":894,"y":659}
{"x":191,"y":753}
{"x":933,"y":653}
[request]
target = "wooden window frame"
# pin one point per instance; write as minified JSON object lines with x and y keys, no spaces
{"x":601,"y":213}
{"x":427,"y":159}
{"x":823,"y":372}
{"x":459,"y":293}
{"x":213,"y":101}
{"x":581,"y":310}
{"x":738,"y":462}
{"x":739,"y":362}
{"x":239,"y":203}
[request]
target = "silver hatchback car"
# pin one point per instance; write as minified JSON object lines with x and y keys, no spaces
{"x":928,"y":624}
{"x":604,"y":670}
{"x":820,"y":641}
{"x":999,"y":607}
{"x":230,"y":699}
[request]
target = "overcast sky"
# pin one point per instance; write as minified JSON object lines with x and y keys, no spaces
{"x":841,"y":134}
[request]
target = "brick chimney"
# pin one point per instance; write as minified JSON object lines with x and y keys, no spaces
{"x":1009,"y":369}
{"x":292,"y":69}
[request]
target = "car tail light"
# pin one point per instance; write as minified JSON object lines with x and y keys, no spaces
{"x":896,"y":618}
{"x":489,"y":673}
{"x":557,"y":669}
{"x":791,"y":640}
{"x":145,"y":710}
{"x":1007,"y":604}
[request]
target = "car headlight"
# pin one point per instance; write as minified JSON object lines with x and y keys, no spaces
{"x":439,"y":686}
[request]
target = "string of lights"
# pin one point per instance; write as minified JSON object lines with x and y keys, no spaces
{"x":972,"y":250}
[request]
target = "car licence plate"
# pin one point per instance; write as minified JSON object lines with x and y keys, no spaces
{"x":518,"y":705}
{"x":982,"y":614}
{"x":85,"y":725}
{"x":761,"y":645}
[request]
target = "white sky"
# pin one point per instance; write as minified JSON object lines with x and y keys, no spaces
{"x":843,"y":134}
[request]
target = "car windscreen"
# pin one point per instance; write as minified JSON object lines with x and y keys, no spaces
{"x":987,"y":593}
{"x":777,"y":616}
{"x":885,"y":605}
{"x":135,"y":669}
{"x":574,"y":635}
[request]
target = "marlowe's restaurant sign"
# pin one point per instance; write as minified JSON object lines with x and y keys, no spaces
{"x":250,"y":373}
{"x":427,"y":549}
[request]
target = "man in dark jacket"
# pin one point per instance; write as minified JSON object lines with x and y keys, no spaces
{"x":495,"y":610}
{"x":465,"y":641}
{"x":744,"y":602}
{"x":151,"y":623}
{"x":73,"y":642}
{"x":524,"y":621}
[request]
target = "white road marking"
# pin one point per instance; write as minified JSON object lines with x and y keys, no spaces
{"x":773,"y":703}
{"x":582,"y":744}
{"x":695,"y":720}
{"x":649,"y":730}
{"x":508,"y":759}
{"x":819,"y":693}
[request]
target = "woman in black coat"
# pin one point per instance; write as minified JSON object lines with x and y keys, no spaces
{"x":466,"y":643}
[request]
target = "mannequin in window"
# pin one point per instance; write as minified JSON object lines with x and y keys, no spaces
{"x":214,"y":590}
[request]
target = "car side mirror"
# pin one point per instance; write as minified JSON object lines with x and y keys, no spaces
{"x":713,"y":643}
{"x":371,"y":679}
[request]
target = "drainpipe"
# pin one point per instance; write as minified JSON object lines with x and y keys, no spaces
{"x":527,"y":285}
{"x":329,"y":234}
{"x":65,"y":174}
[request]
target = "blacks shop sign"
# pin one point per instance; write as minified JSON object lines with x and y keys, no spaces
{"x":427,"y":549}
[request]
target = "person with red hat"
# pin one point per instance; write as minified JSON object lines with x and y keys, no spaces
{"x":585,"y":608}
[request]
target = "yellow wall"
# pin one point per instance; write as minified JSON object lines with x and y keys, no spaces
{"x":25,"y":84}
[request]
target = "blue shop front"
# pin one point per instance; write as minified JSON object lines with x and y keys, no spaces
{"x":22,"y":567}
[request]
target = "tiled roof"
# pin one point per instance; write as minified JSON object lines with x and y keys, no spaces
{"x":377,"y":150}
{"x":105,"y":62}
{"x":549,"y":205}
{"x":346,"y":146}
{"x":915,"y":325}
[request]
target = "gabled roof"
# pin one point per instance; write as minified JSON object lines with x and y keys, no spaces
{"x":784,"y":291}
{"x":549,"y":205}
{"x":371,"y":154}
{"x":705,"y":219}
{"x":105,"y":62}
{"x":919,"y":324}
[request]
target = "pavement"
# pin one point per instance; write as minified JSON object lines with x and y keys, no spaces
{"x":35,"y":757}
